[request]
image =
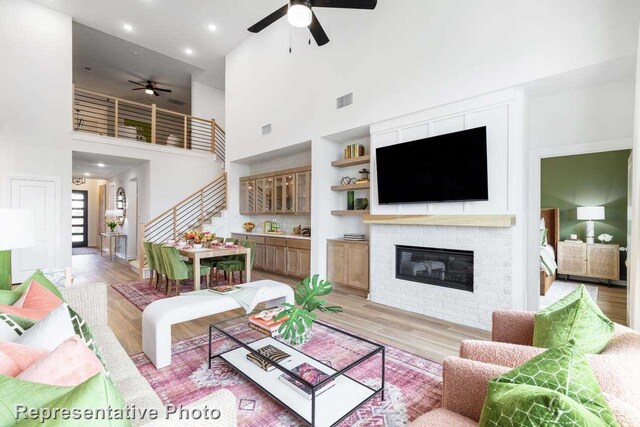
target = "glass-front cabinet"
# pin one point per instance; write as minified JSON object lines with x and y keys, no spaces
{"x":303,"y":192}
{"x":278,"y":190}
{"x":247,"y":197}
{"x":289,"y":194}
{"x":264,"y":195}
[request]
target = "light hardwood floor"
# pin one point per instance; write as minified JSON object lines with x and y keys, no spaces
{"x":427,"y":337}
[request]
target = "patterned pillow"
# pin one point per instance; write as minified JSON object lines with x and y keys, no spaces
{"x":39,"y":277}
{"x":555,"y":388}
{"x":12,"y":326}
{"x":574,"y":317}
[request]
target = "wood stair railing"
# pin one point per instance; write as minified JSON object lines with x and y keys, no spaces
{"x":191,"y":213}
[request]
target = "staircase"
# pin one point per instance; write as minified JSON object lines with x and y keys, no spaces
{"x":194,"y":212}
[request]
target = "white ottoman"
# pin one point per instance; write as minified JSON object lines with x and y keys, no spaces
{"x":160,"y":315}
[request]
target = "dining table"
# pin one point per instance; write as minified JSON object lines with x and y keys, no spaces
{"x":196,"y":255}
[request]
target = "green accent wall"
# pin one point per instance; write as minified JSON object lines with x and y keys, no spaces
{"x":598,"y":179}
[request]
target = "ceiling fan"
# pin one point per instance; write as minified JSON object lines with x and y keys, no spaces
{"x":149,"y":88}
{"x":300,"y":14}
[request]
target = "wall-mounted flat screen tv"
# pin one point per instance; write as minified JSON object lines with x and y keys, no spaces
{"x":444,"y":168}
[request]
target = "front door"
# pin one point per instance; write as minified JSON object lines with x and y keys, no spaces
{"x":39,"y":196}
{"x":79,"y":219}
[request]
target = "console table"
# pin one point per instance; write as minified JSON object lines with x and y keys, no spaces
{"x":113,"y":237}
{"x":599,"y":261}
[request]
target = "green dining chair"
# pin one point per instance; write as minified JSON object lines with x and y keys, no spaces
{"x":161,"y":269}
{"x":178,"y":270}
{"x":151,"y":262}
{"x":238,"y":264}
{"x":213,"y":262}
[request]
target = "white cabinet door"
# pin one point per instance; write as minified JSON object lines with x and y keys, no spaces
{"x":39,"y":197}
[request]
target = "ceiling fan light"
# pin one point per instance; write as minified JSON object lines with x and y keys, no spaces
{"x":148,"y":91}
{"x":299,"y":15}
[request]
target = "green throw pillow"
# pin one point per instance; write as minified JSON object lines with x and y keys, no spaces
{"x":9,"y":297}
{"x":39,"y":277}
{"x":95,"y":393}
{"x":82,"y":330}
{"x":555,"y":388}
{"x":574,"y":317}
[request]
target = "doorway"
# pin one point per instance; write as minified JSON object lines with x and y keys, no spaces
{"x":79,"y":218}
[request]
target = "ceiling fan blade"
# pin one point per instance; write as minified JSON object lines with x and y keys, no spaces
{"x":137,"y":83}
{"x":346,"y":4}
{"x":139,"y":88}
{"x":256,"y":28}
{"x":162,"y":90}
{"x":318,"y":32}
{"x":156,"y":93}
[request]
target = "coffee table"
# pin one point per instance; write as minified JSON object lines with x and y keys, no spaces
{"x":347,"y":359}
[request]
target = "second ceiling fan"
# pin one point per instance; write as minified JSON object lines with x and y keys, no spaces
{"x":300,"y":14}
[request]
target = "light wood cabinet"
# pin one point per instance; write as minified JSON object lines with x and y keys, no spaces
{"x":264,"y":195}
{"x":247,"y":197}
{"x":601,"y":261}
{"x":298,"y":258}
{"x":284,"y":193}
{"x":348,"y":263}
{"x":280,"y":254}
{"x":275,"y":259}
{"x":303,"y":192}
{"x":259,"y":260}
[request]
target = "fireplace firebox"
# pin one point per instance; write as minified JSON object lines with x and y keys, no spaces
{"x":439,"y":267}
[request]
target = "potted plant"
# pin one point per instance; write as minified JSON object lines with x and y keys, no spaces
{"x":297,"y":329}
{"x":111,"y":223}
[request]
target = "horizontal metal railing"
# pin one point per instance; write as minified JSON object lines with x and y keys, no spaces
{"x":110,"y":116}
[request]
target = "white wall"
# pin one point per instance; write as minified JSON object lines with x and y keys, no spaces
{"x":634,"y":255}
{"x":92,"y":189}
{"x":207,"y":103}
{"x":35,"y":120}
{"x":173,"y":174}
{"x":410,"y":55}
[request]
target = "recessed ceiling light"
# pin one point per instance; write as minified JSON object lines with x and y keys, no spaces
{"x":212,"y":27}
{"x":127,"y":27}
{"x":101,"y":165}
{"x":87,"y":174}
{"x":188,"y":51}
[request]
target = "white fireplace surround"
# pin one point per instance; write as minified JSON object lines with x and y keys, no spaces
{"x":499,"y":251}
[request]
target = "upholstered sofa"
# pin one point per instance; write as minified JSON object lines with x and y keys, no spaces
{"x":90,"y":301}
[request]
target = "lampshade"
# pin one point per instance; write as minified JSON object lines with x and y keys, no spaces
{"x":16,"y":229}
{"x":114,"y":213}
{"x":590,"y":213}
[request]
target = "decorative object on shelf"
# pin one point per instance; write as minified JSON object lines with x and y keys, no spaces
{"x":267,"y":226}
{"x":296,"y":230}
{"x":355,"y":237}
{"x":16,"y":232}
{"x":353,"y":150}
{"x":605,"y":238}
{"x":121,"y":202}
{"x":346,"y":180}
{"x":573,"y":237}
{"x":249,"y":226}
{"x":76,"y":180}
{"x":364,"y":175}
{"x":361,"y":204}
{"x":297,"y":329}
{"x":305,"y":231}
{"x":351,"y":195}
{"x":590,"y":214}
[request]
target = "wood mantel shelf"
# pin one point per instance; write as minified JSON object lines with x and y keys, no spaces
{"x":503,"y":221}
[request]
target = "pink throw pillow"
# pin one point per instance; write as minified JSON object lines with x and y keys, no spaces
{"x":27,"y":313}
{"x":38,"y":297}
{"x":15,"y":358}
{"x":70,"y":364}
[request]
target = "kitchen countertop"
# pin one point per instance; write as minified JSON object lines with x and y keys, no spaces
{"x":283,"y":236}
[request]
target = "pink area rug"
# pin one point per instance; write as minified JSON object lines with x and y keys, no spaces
{"x":413,"y":384}
{"x":141,"y":294}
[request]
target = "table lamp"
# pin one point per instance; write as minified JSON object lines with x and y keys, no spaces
{"x":590,"y":214}
{"x":16,"y":231}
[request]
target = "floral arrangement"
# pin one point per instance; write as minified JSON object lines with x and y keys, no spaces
{"x":606,"y":238}
{"x":195,"y":236}
{"x":111,"y":223}
{"x":249,"y":226}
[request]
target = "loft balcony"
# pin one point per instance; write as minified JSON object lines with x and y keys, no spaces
{"x":102,"y":114}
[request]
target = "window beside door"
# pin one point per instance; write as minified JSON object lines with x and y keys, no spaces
{"x":79,"y":219}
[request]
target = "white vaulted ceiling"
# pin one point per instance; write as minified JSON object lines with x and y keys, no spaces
{"x":171,"y":26}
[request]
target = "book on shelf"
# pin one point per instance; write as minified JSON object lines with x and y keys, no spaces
{"x":310,"y":374}
{"x":353,"y":150}
{"x":272,"y":353}
{"x":267,"y":332}
{"x":224,"y":289}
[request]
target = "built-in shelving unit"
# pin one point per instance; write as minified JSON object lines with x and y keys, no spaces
{"x":350,"y":213}
{"x":349,"y":187}
{"x":345,"y":163}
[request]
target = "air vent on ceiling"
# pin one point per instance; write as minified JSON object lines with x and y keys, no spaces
{"x":344,"y":100}
{"x":266,"y":129}
{"x":175,"y":101}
